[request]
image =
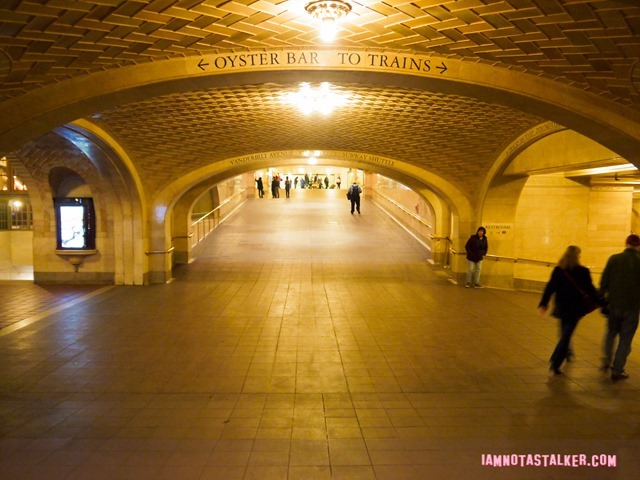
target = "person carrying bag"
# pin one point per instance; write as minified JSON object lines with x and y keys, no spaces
{"x":354,"y":196}
{"x":571,"y":284}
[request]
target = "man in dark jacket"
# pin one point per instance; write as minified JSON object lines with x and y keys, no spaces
{"x":260,"y":187}
{"x":354,"y":196}
{"x":620,"y":286}
{"x":476,"y":247}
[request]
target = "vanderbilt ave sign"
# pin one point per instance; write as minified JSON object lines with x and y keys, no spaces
{"x":299,"y":155}
{"x":371,"y":60}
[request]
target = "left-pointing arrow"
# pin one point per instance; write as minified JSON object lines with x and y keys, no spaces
{"x":201,"y":64}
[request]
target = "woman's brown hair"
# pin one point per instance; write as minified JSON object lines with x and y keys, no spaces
{"x":570,"y":258}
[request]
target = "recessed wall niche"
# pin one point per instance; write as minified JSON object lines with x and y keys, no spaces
{"x":64,"y":182}
{"x":75,"y":216}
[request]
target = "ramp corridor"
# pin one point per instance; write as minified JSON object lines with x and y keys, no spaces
{"x":308,"y":343}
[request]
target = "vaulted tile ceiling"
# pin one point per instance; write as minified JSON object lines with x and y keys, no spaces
{"x":590,"y":45}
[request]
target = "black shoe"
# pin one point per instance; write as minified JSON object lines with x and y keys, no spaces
{"x":555,"y":370}
{"x":619,"y":376}
{"x":605,"y":367}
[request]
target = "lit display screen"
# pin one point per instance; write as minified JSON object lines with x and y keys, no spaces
{"x":76,"y":227}
{"x":72,"y":229}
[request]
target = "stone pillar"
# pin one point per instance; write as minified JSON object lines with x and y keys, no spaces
{"x":460,"y":232}
{"x":498,"y":218}
{"x":609,"y":223}
{"x":159,"y":251}
{"x":181,"y":235}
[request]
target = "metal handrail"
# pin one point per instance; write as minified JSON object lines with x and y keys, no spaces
{"x":511,"y":259}
{"x":416,"y":217}
{"x":159,"y":252}
{"x":219,"y":206}
{"x":204,"y":225}
{"x":498,"y":258}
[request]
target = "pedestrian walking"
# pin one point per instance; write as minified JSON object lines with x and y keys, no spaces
{"x":620,"y":287}
{"x":569,"y":282}
{"x":287,"y":187}
{"x":354,"y":196}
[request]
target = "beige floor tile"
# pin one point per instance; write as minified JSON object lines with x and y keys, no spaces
{"x":216,"y":472}
{"x":309,"y":457}
{"x":351,"y":472}
{"x":257,"y":472}
{"x":309,"y":473}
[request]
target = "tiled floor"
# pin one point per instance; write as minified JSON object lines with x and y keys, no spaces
{"x":306,"y":343}
{"x":23,"y":301}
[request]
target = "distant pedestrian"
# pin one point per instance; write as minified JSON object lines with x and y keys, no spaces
{"x":260,"y":187}
{"x":275,"y":188}
{"x":569,"y":282}
{"x":354,"y":196}
{"x":338,"y":181}
{"x":476,"y":247}
{"x":620,"y":286}
{"x":295,"y":182}
{"x":287,"y":187}
{"x":326,"y":182}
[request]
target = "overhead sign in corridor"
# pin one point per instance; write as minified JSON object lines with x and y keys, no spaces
{"x":318,"y":59}
{"x":300,"y":154}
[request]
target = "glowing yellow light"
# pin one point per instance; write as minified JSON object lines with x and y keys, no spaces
{"x":328,"y":13}
{"x":309,"y":100}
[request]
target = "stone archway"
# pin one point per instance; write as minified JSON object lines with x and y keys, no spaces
{"x":124,"y":198}
{"x":529,"y":174}
{"x":183,"y":191}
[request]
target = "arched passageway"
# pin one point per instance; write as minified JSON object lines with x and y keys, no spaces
{"x":462,"y":177}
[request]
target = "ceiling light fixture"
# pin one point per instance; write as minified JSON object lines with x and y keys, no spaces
{"x":310,"y":100}
{"x":629,"y":167}
{"x":328,"y":12}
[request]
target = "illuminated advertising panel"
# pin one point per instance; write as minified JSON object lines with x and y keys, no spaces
{"x":75,"y":221}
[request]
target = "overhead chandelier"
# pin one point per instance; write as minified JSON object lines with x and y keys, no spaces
{"x":328,"y":12}
{"x":321,"y":99}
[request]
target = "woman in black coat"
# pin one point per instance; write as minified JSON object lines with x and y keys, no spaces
{"x":476,"y":247}
{"x":568,"y":281}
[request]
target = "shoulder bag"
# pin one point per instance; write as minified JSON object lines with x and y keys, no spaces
{"x":588,"y":303}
